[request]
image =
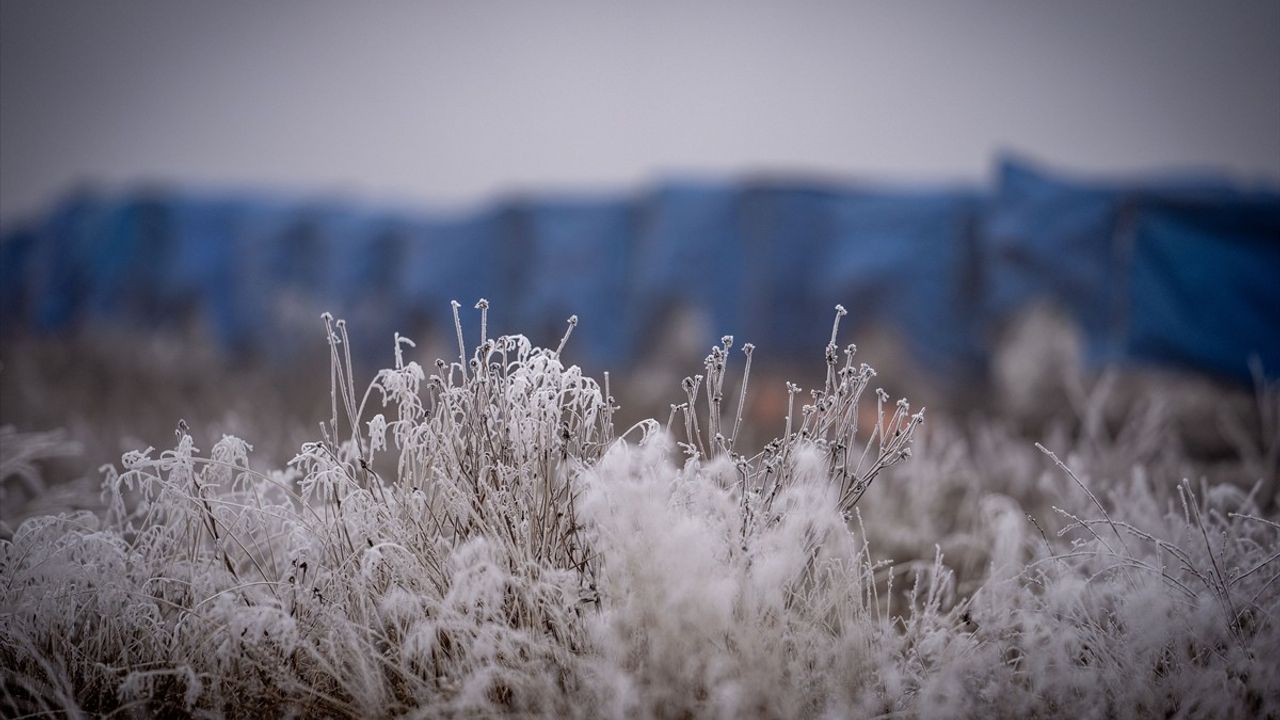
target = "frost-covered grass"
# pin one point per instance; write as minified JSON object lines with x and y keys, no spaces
{"x":482,"y":540}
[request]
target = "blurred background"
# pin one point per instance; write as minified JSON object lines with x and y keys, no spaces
{"x":1011,"y":200}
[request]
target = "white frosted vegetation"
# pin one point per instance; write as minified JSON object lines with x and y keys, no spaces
{"x":482,"y":540}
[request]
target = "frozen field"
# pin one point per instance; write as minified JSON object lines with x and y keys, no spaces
{"x":482,"y":538}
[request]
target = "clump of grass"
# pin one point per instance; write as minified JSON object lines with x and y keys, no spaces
{"x":481,"y":540}
{"x":22,"y":455}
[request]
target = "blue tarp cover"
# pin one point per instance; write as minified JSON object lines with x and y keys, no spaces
{"x":1183,"y":271}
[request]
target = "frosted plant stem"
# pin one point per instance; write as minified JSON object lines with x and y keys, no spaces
{"x":349,"y":389}
{"x":573,"y":323}
{"x":835,"y":326}
{"x":747,"y":350}
{"x":462,"y":348}
{"x":1063,"y":466}
{"x":483,"y":306}
{"x":333,"y":371}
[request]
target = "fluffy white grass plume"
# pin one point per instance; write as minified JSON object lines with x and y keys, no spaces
{"x":480,"y":540}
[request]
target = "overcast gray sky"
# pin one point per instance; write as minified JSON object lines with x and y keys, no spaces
{"x":452,"y":103}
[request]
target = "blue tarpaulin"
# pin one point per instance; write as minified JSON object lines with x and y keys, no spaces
{"x":1203,"y":284}
{"x":1183,"y":271}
